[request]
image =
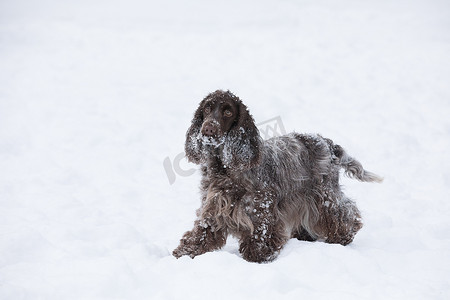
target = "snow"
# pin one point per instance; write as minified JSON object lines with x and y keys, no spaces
{"x":96,"y":95}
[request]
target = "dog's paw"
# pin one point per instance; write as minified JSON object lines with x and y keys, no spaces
{"x":259,"y":251}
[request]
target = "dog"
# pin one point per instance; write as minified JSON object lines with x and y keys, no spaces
{"x":265,"y":192}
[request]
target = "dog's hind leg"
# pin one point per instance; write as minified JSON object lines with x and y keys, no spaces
{"x":303,"y":235}
{"x":339,"y":221}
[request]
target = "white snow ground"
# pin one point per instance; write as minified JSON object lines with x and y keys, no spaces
{"x":96,"y":95}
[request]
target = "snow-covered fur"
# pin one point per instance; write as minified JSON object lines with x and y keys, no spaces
{"x":265,"y":192}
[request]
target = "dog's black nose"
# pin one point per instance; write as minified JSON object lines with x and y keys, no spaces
{"x":209,"y":130}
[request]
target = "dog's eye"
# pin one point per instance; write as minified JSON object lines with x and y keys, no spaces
{"x":227,"y":113}
{"x":207,"y":110}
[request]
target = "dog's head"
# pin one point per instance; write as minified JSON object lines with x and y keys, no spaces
{"x":223,"y":125}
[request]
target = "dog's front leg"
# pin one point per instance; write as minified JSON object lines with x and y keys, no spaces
{"x":265,"y":242}
{"x":204,"y":237}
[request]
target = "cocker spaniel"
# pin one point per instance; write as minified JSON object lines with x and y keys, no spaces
{"x":265,"y":192}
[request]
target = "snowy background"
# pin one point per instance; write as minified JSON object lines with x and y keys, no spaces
{"x":96,"y":95}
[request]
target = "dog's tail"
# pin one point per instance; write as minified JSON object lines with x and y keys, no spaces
{"x":353,"y":168}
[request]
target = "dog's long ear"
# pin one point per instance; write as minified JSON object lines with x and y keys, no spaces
{"x":242,"y":147}
{"x":193,"y":146}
